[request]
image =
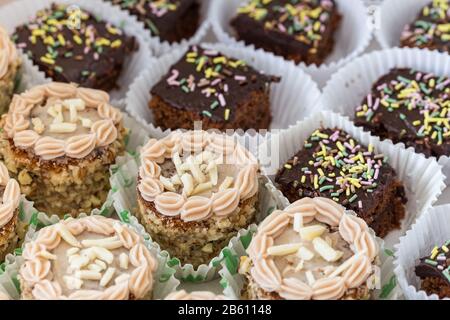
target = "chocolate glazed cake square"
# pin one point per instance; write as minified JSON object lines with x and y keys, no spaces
{"x":170,"y":20}
{"x":91,"y":54}
{"x":434,"y":271}
{"x":298,"y":30}
{"x":411,"y":107}
{"x":334,"y":165}
{"x":431,"y":29}
{"x":222,"y":92}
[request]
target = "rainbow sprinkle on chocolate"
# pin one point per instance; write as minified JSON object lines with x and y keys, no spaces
{"x":305,"y":20}
{"x":431,"y":29}
{"x":71,"y":45}
{"x":437,"y":264}
{"x":411,"y":107}
{"x":149,"y":10}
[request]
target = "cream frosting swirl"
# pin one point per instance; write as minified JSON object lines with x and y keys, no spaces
{"x":59,"y":262}
{"x":279,"y":261}
{"x":8,"y":53}
{"x":196,"y":175}
{"x":11,"y":196}
{"x":72,"y":109}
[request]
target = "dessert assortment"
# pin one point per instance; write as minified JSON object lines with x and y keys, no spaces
{"x":190,"y":204}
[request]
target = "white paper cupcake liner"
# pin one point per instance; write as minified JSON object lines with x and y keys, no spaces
{"x":164,"y":280}
{"x":123,"y":182}
{"x":159,"y":47}
{"x":352,"y":38}
{"x":349,"y":86}
{"x":393,"y":16}
{"x":20,"y":12}
{"x":422,"y":178}
{"x":294,"y":98}
{"x":431,"y":229}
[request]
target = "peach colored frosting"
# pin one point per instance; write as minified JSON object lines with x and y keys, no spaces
{"x":298,"y":264}
{"x":196,"y":175}
{"x":60,"y":119}
{"x":8,"y":52}
{"x":11,"y":196}
{"x":196,"y":295}
{"x":90,"y":258}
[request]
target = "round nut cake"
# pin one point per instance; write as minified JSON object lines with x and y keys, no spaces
{"x":59,"y":140}
{"x":313,"y":249}
{"x":90,"y":258}
{"x":195,"y":192}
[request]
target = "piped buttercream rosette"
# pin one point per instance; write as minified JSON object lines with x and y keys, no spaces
{"x":313,"y":249}
{"x":11,"y":196}
{"x":58,"y":119}
{"x":195,"y":175}
{"x":8,"y":53}
{"x":90,"y":258}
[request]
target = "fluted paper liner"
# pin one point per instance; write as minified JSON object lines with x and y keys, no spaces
{"x":431,"y":229}
{"x":164,"y":280}
{"x":294,"y":98}
{"x":349,"y":86}
{"x":123,"y":182}
{"x":20,"y":12}
{"x":422,"y":178}
{"x":159,"y":47}
{"x":392,"y":18}
{"x":351,"y":39}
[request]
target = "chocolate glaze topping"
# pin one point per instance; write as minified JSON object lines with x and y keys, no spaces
{"x":411,"y":107}
{"x":86,"y":51}
{"x":159,"y":16}
{"x":209,"y":83}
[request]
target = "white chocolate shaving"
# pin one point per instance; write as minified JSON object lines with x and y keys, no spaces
{"x":107,"y":277}
{"x":311,"y":232}
{"x":325,"y":251}
{"x":77,"y":104}
{"x":305,"y":254}
{"x":168,"y":185}
{"x":107,"y":243}
{"x":86,"y":122}
{"x":64,"y":127}
{"x":284,"y":250}
{"x":123,"y":261}
{"x":88,"y":275}
{"x":188,"y":184}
